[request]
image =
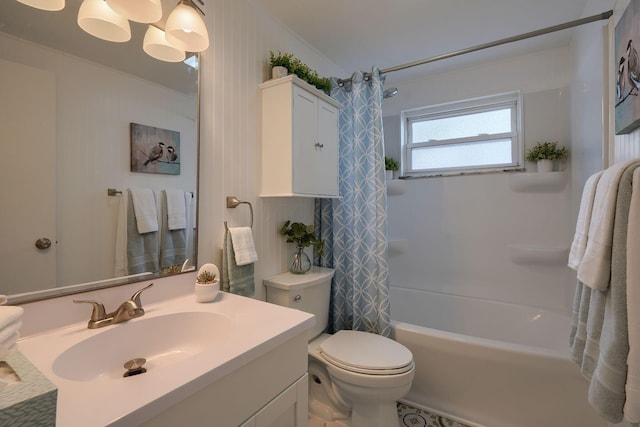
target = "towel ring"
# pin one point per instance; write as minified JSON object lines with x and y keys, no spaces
{"x":233,"y":202}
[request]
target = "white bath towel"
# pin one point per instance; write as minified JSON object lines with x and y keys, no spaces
{"x":121,"y":268}
{"x":10,"y":342}
{"x":595,"y":267}
{"x":243,"y":246}
{"x":632,"y":404}
{"x":9,"y":314}
{"x":176,"y":210}
{"x":144,"y":206}
{"x":579,"y":244}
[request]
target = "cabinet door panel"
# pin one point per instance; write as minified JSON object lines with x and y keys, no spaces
{"x":327,"y":155}
{"x":305,"y":138}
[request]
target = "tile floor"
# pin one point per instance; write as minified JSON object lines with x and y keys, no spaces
{"x":413,"y":417}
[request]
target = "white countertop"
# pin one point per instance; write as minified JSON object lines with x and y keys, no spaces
{"x":256,"y":328}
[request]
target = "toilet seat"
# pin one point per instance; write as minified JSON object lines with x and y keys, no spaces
{"x":366,"y":353}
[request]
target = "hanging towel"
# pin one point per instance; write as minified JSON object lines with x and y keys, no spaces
{"x":580,"y":237}
{"x":144,"y":206}
{"x":243,"y":247}
{"x":607,"y":388}
{"x":173,"y":243}
{"x":191,"y":223}
{"x":176,"y":209}
{"x":632,"y":404}
{"x":143,"y":253}
{"x":9,"y":314}
{"x":9,"y":334}
{"x":120,"y":268}
{"x":235,"y":279}
{"x":595,"y":267}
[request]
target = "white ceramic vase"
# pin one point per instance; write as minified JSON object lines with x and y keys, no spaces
{"x":279,"y":71}
{"x":206,"y":292}
{"x":545,"y":165}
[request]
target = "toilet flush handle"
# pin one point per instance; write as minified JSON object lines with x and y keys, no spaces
{"x":297,"y":298}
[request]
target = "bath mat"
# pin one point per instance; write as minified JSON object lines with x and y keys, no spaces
{"x":414,"y":417}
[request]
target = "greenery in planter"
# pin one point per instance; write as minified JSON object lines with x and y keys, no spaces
{"x":547,"y":150}
{"x":391,"y":164}
{"x":297,"y":67}
{"x":302,"y":235}
{"x":206,"y":277}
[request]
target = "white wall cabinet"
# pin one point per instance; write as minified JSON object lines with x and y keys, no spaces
{"x":299,"y":140}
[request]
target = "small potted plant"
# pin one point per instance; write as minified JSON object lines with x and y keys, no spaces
{"x":390,"y":165}
{"x":544,"y":153}
{"x":303,"y":236}
{"x":207,"y":284}
{"x":280,"y":64}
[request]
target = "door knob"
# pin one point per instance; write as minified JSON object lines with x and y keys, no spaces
{"x":43,"y":243}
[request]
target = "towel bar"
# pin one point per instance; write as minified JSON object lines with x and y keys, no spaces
{"x":233,"y":202}
{"x":114,"y":192}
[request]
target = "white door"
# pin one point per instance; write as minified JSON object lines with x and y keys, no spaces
{"x":27,"y":178}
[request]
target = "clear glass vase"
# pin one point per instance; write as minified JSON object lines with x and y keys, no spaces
{"x":299,"y":262}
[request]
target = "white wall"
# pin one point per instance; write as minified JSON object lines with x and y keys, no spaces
{"x":94,"y":106}
{"x":242,"y":35}
{"x":457,"y":234}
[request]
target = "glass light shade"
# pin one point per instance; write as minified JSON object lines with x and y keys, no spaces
{"x":186,"y":30}
{"x":50,"y":5}
{"x":157,"y":46}
{"x":99,"y":20}
{"x":145,"y":11}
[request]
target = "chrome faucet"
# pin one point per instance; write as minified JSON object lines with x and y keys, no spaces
{"x":129,"y":309}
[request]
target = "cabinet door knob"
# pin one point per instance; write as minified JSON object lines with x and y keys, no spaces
{"x":43,"y":243}
{"x":318,"y":145}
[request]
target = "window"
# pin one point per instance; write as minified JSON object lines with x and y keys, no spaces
{"x":476,"y":135}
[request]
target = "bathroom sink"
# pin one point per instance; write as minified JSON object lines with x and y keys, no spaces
{"x":161,"y":340}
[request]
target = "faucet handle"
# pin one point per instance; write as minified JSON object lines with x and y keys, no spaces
{"x":98,"y":313}
{"x":136,"y":297}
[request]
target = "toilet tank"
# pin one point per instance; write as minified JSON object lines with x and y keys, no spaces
{"x":308,"y":292}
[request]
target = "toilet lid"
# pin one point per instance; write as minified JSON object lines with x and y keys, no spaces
{"x":366,"y":353}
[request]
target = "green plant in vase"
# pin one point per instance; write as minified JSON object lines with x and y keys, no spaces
{"x":303,"y":236}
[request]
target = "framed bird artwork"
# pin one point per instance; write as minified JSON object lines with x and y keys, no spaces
{"x":154,"y":150}
{"x":627,"y":66}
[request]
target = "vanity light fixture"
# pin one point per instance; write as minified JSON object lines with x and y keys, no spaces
{"x":145,"y":11}
{"x":99,"y":20}
{"x":156,"y":45}
{"x":49,"y":5}
{"x":185,"y":27}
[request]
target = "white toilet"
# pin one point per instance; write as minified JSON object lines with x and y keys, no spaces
{"x":355,"y":378}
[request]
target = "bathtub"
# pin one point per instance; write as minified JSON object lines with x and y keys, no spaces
{"x":489,"y":363}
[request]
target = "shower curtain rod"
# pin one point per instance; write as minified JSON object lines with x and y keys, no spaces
{"x":547,"y":30}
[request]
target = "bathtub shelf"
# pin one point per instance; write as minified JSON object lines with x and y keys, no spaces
{"x":523,"y":254}
{"x":539,"y":182}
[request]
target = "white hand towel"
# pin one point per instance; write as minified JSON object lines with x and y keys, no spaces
{"x":581,"y":235}
{"x":595,"y":268}
{"x":9,"y":314}
{"x":632,"y":402}
{"x":243,"y":246}
{"x":176,"y":211}
{"x":10,"y":342}
{"x":144,"y":206}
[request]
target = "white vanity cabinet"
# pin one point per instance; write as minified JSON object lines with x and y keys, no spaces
{"x":299,"y":140}
{"x":288,"y":409}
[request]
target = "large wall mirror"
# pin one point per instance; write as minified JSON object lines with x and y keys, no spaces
{"x":68,"y":101}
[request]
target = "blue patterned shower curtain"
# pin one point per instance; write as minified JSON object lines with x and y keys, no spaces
{"x":355,"y":227}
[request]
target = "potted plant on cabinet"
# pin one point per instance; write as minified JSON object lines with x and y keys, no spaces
{"x":207,"y":285}
{"x":544,"y":153}
{"x":303,"y":236}
{"x":297,"y":67}
{"x":390,"y":165}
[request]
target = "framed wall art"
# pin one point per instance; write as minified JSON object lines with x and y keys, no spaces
{"x":627,"y":66}
{"x":154,"y":150}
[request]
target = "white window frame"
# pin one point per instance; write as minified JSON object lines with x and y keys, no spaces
{"x":512,"y":100}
